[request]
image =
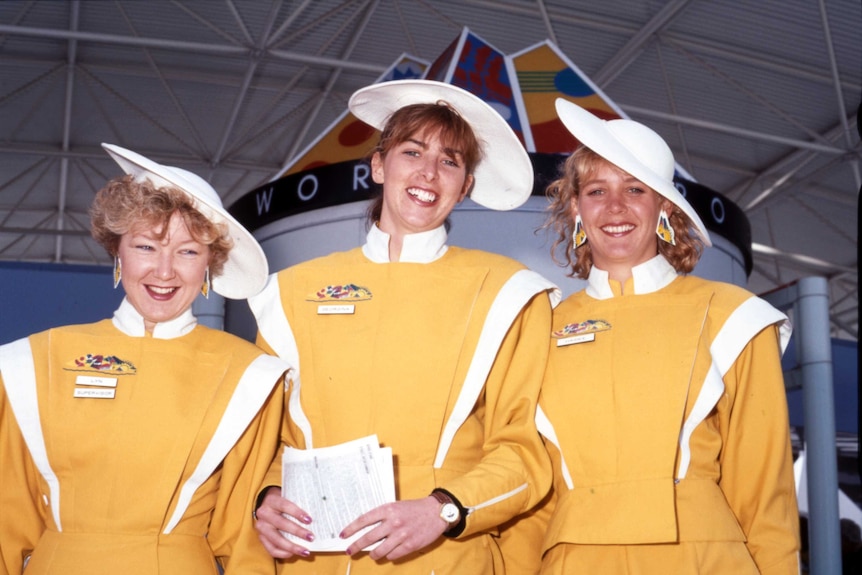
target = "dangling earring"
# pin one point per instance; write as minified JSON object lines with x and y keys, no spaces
{"x":118,"y":271}
{"x":579,"y":236}
{"x":664,"y":230}
{"x":205,"y":289}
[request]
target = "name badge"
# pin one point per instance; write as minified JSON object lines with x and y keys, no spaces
{"x":97,"y":381}
{"x":576,"y":339}
{"x":94,"y":393}
{"x":340,"y":309}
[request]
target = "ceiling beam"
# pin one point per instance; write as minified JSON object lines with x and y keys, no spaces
{"x":632,"y":49}
{"x":185,"y":46}
{"x":733,"y":130}
{"x":63,"y":184}
{"x":791,"y":162}
{"x":44,"y":232}
{"x":367,"y":11}
{"x":839,"y":96}
{"x":247,"y":78}
{"x":804,"y":261}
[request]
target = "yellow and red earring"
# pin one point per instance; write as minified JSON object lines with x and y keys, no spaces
{"x":118,"y":271}
{"x":664,"y":230}
{"x":205,"y":288}
{"x":579,"y":236}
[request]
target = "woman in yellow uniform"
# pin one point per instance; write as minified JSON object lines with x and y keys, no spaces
{"x":136,"y":444}
{"x":441,"y":354}
{"x":664,"y":406}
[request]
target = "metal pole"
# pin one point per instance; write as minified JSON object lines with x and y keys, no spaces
{"x":814,"y":350}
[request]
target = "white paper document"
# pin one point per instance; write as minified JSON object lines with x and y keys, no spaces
{"x":335,"y":485}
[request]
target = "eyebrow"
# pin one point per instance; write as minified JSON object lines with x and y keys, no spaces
{"x":448,"y":150}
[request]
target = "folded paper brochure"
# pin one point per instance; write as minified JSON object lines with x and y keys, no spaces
{"x":335,"y":485}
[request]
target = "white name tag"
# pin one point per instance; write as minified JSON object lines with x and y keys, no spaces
{"x":335,"y":309}
{"x":97,"y":381}
{"x":576,"y":339}
{"x":95,"y":393}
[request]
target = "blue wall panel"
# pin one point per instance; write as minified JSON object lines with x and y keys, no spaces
{"x":35,"y":297}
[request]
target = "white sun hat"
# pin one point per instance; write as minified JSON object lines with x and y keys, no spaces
{"x":503,"y":179}
{"x":633,"y":148}
{"x":245,"y":271}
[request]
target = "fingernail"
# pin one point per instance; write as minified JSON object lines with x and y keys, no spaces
{"x":306,"y":519}
{"x":305,"y":552}
{"x":310,"y":536}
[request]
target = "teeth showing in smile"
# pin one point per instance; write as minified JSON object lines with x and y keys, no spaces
{"x":618,"y":229}
{"x":162,"y":290}
{"x":423,"y":195}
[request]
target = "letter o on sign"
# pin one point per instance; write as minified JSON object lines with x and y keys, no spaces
{"x":716,"y":207}
{"x":300,"y":189}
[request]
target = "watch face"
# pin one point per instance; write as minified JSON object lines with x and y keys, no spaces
{"x":449,"y":512}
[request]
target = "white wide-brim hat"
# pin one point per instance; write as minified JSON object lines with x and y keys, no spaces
{"x":503,"y":178}
{"x":245,"y":271}
{"x":633,"y":148}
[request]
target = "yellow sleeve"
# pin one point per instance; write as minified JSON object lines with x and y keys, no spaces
{"x":22,"y":518}
{"x":522,"y":539}
{"x":514,"y":473}
{"x":232,"y":535}
{"x":756,"y":461}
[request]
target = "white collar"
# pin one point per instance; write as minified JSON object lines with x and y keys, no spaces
{"x":648,"y":277}
{"x":421,"y":248}
{"x":130,"y":322}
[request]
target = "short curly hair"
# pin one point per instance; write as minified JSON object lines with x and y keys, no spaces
{"x":563,"y":191}
{"x":125,"y":204}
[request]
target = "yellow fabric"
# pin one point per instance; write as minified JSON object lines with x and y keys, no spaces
{"x":617,"y":405}
{"x":395,"y":368}
{"x":121,"y":462}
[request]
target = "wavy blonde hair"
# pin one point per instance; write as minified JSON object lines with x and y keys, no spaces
{"x":124,"y":205}
{"x":564,"y":191}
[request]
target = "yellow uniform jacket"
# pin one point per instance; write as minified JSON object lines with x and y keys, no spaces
{"x":665,"y":414}
{"x":441,"y":356}
{"x":131,"y":453}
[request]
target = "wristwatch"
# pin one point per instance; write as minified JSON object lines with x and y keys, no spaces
{"x":449,"y":511}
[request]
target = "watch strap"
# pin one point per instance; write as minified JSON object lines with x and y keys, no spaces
{"x":444,"y":497}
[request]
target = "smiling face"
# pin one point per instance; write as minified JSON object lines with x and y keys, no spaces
{"x":423,"y":180}
{"x":619,"y":214}
{"x":162,"y":277}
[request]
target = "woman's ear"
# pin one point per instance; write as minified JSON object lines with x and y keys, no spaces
{"x":667,"y":207}
{"x":468,"y":185}
{"x":573,"y":206}
{"x":377,"y":168}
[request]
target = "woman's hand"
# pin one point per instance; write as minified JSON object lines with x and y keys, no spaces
{"x":271,"y":521}
{"x":401,"y":528}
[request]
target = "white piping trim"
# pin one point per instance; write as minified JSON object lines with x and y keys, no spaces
{"x":710,"y":393}
{"x":741,"y":326}
{"x":513,"y":296}
{"x":546,"y":428}
{"x":294,"y":408}
{"x":249,"y":395}
{"x":499,"y":498}
{"x":272,"y":321}
{"x":19,"y":376}
{"x":276,"y":331}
